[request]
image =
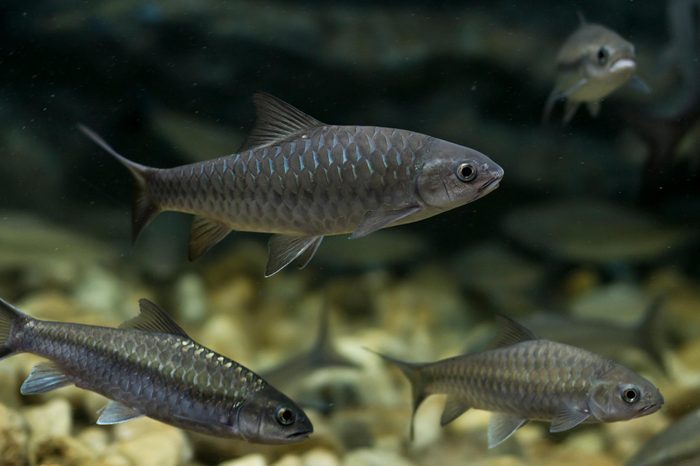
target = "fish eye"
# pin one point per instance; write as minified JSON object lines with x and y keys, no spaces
{"x":602,"y":55}
{"x":285,"y":416}
{"x":466,"y":172}
{"x":630,"y":395}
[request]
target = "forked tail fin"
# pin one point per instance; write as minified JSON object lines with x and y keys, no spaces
{"x":10,"y":318}
{"x":144,"y":208}
{"x":416,"y":377}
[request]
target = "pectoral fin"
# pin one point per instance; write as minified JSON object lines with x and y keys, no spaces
{"x":44,"y":377}
{"x":640,"y":85}
{"x":502,"y":426}
{"x":283,"y":249}
{"x":116,"y":413}
{"x":568,"y":418}
{"x":378,"y":219}
{"x":205,"y":233}
{"x":594,"y":108}
{"x":454,"y":407}
{"x":569,"y":111}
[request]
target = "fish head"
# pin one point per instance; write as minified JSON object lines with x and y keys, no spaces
{"x":608,"y":59}
{"x":453,"y":175}
{"x":272,"y":418}
{"x":622,"y":394}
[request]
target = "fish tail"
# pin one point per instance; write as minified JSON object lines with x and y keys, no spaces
{"x":650,"y":329}
{"x":11,"y":319}
{"x":323,"y":354}
{"x":144,"y":207}
{"x":415,"y":375}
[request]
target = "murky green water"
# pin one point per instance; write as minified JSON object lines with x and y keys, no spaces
{"x":592,"y":238}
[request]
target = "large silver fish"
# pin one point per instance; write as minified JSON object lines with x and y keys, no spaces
{"x":302,"y":180}
{"x":525,"y":378}
{"x":593,"y":62}
{"x":149,"y":366}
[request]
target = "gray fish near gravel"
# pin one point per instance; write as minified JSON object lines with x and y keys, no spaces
{"x":301,"y":180}
{"x":525,"y":378}
{"x":592,"y":63}
{"x":149,"y":366}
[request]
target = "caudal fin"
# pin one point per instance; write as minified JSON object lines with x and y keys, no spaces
{"x":144,"y":208}
{"x":415,"y":376}
{"x":10,"y":318}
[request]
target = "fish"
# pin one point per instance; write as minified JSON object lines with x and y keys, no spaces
{"x":524,"y":378}
{"x":593,"y":62}
{"x":606,"y":338}
{"x":150,"y":367}
{"x":677,"y":445}
{"x":301,"y":179}
{"x":319,"y":356}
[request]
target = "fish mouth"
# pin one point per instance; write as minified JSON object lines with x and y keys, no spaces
{"x":301,"y":435}
{"x":649,"y":409}
{"x":623,"y":64}
{"x":490,"y":185}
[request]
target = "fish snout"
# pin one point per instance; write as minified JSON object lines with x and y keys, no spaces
{"x":624,"y":65}
{"x":495,"y":176}
{"x":653,"y":403}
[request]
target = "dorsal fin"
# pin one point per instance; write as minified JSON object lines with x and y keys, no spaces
{"x":276,"y":121}
{"x":581,"y":18}
{"x":153,"y":319}
{"x":511,"y":332}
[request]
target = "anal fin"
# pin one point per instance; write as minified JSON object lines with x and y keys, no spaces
{"x":454,"y":407}
{"x":116,"y":413}
{"x":502,"y":426}
{"x":284,"y":249}
{"x":205,"y":234}
{"x":44,"y":377}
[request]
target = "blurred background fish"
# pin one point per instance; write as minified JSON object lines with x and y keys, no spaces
{"x":592,"y":63}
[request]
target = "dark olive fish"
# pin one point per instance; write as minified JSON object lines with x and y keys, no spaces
{"x":149,"y":366}
{"x":605,"y":338}
{"x":592,"y":63}
{"x":525,"y":378}
{"x":301,"y":180}
{"x":677,"y":445}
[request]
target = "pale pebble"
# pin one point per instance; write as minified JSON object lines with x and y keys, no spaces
{"x":320,"y":457}
{"x":254,"y":459}
{"x":52,"y":419}
{"x":374,"y":457}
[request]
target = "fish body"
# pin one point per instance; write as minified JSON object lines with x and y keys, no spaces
{"x":525,"y":379}
{"x":151,"y":367}
{"x":677,"y":445}
{"x":301,"y":180}
{"x":592,"y":63}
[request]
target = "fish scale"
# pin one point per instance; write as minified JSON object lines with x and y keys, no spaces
{"x":151,"y":367}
